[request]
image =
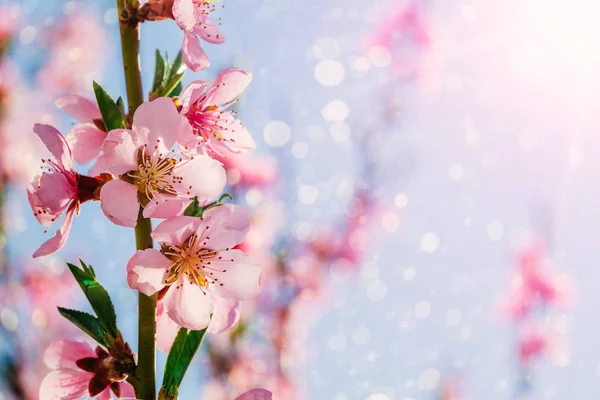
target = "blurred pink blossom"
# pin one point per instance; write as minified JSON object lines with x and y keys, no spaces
{"x":247,"y":171}
{"x":533,"y":286}
{"x":532,"y":345}
{"x":77,"y":48}
{"x":408,"y":38}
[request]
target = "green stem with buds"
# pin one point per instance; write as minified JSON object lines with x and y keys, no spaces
{"x":145,"y":375}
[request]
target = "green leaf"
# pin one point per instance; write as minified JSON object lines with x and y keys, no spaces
{"x":193,"y":209}
{"x":182,"y":352}
{"x":111,"y":113}
{"x":121,"y":105}
{"x":97,"y":296}
{"x":159,"y":71}
{"x":178,"y":66}
{"x":225,"y":196}
{"x":177,"y":91}
{"x":86,"y":322}
{"x":170,"y":84}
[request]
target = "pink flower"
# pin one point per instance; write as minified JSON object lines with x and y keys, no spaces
{"x":150,"y":175}
{"x":256,"y":394}
{"x":193,"y":16}
{"x":58,"y":190}
{"x":213,"y":127}
{"x":225,"y":316}
{"x":198,"y":261}
{"x":84,"y":139}
{"x":80,"y":371}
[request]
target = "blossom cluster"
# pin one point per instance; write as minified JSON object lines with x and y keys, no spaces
{"x":163,"y":159}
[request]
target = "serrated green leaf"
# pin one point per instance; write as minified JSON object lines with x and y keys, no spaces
{"x":97,"y":296}
{"x":111,"y":113}
{"x":180,"y":357}
{"x":170,"y":84}
{"x":86,"y":322}
{"x":178,"y":66}
{"x":159,"y":71}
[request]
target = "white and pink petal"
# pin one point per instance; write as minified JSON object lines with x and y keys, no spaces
{"x":86,"y":141}
{"x":147,"y":271}
{"x":119,"y":202}
{"x":78,"y":107}
{"x":238,"y":274}
{"x":188,"y":305}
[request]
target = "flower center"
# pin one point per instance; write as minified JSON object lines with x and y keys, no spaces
{"x":192,"y":260}
{"x":154,"y":175}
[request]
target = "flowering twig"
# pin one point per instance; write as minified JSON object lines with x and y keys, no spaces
{"x":145,"y":373}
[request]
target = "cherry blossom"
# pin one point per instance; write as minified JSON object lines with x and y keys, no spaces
{"x":59,"y":189}
{"x":214,"y":128}
{"x":150,"y":174}
{"x":193,"y":16}
{"x":79,"y":370}
{"x":198,"y":261}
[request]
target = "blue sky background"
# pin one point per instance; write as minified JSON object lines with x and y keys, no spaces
{"x":506,"y":148}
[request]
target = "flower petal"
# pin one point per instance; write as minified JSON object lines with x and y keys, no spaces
{"x":184,"y":12}
{"x":234,"y":136}
{"x":99,"y":166}
{"x":161,"y":121}
{"x":207,"y":29}
{"x":44,"y":218}
{"x":163,"y":206}
{"x":188,"y":306}
{"x":256,"y":394}
{"x":230,"y":83}
{"x":55,"y":191}
{"x":228,"y":225}
{"x":56,"y":144}
{"x":119,"y":202}
{"x":85,"y":141}
{"x":59,"y":239}
{"x":201,"y":176}
{"x":174,"y":231}
{"x":193,"y":55}
{"x":127,"y":391}
{"x":147,"y":271}
{"x":225,"y":315}
{"x":166,"y":329}
{"x":80,"y":108}
{"x":63,"y":353}
{"x":241,"y":279}
{"x":192,"y":93}
{"x":105,"y":394}
{"x":65,"y":385}
{"x":121,"y":149}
